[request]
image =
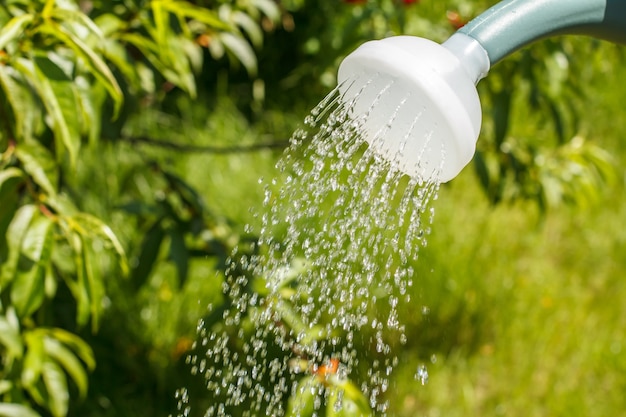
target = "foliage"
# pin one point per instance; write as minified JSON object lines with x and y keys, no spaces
{"x":66,"y":76}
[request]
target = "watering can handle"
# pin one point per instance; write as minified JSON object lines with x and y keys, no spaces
{"x":511,"y":24}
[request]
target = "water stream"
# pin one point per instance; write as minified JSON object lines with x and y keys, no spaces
{"x":310,"y":323}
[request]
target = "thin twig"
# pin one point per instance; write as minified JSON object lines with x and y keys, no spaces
{"x":253,"y":147}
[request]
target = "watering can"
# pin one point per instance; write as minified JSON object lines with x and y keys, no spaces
{"x":417,"y":99}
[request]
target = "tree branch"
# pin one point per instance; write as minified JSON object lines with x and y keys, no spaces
{"x":253,"y":147}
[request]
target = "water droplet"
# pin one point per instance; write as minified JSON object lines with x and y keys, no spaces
{"x":421,"y":375}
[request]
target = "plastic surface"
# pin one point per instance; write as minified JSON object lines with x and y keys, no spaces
{"x":416,"y":101}
{"x":511,"y":24}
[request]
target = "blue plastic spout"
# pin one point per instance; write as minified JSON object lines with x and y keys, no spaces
{"x":512,"y":24}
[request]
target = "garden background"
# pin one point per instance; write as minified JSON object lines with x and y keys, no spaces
{"x":132,"y":138}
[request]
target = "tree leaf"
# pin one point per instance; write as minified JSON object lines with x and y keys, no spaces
{"x":33,"y":363}
{"x":179,"y":254}
{"x":269,"y":8}
{"x":17,"y":410}
{"x":11,"y":179}
{"x":187,"y":193}
{"x":150,"y":51}
{"x":80,"y":288}
{"x":58,"y":100}
{"x":189,"y":10}
{"x":95,"y":287}
{"x":92,"y":59}
{"x":117,"y":54}
{"x":11,"y":339}
{"x":340,"y":405}
{"x":161,"y":24}
{"x":91,"y":99}
{"x":181,"y":65}
{"x":148,"y":255}
{"x":39,"y":163}
{"x":78,"y":345}
{"x":241,"y":50}
{"x":5,"y":386}
{"x":100,"y":229}
{"x":56,"y":384}
{"x":69,"y":362}
{"x":501,"y":114}
{"x":28,"y":288}
{"x":14,"y":28}
{"x":346,"y":399}
{"x":249,"y":26}
{"x":26,"y":110}
{"x":15,"y":234}
{"x":66,"y":15}
{"x":302,"y":401}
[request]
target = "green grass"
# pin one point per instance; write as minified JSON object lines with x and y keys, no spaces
{"x":527,"y":314}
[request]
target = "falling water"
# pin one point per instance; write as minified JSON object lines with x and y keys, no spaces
{"x":310,"y":322}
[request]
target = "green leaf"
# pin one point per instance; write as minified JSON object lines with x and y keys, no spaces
{"x":269,"y":8}
{"x":80,"y":288}
{"x":340,"y":406}
{"x":95,"y":287}
{"x":187,"y":193}
{"x":109,"y":24}
{"x":161,"y":24}
{"x":482,"y":172}
{"x":302,"y":401}
{"x":346,"y":400}
{"x":180,"y":69}
{"x":249,"y":26}
{"x":78,"y":345}
{"x":28,"y":288}
{"x":151,"y":51}
{"x":189,"y":10}
{"x":150,"y":248}
{"x":33,"y":363}
{"x":92,"y":59}
{"x":179,"y":254}
{"x":11,"y":179}
{"x":98,"y":228}
{"x":26,"y":110}
{"x":91,"y":99}
{"x":14,"y":28}
{"x":39,"y":163}
{"x":15,"y":234}
{"x":11,"y":339}
{"x":17,"y":410}
{"x":56,"y":384}
{"x":117,"y":54}
{"x":241,"y":50}
{"x":69,"y":362}
{"x":57,"y":94}
{"x":5,"y":386}
{"x":66,"y":15}
{"x":501,"y":115}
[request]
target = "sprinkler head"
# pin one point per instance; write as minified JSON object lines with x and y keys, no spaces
{"x":415,"y":103}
